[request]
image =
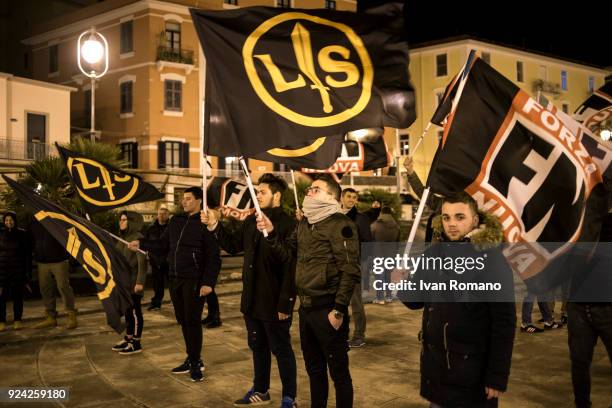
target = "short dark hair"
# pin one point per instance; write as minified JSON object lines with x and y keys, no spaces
{"x":461,"y":197}
{"x":276,"y":184}
{"x":349,"y":190}
{"x":386,"y":210}
{"x":196,"y":191}
{"x":332,"y":185}
{"x":11,"y":214}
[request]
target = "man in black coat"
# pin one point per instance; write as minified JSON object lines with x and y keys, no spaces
{"x":466,"y":346}
{"x":193,"y":256}
{"x":268,"y":291}
{"x":158,"y":260}
{"x":349,"y":200}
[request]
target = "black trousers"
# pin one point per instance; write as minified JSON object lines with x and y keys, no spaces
{"x":324,"y":347}
{"x":585,"y":323}
{"x":188,"y":306}
{"x":133,"y":318}
{"x":16,"y":292}
{"x":159,"y":274}
{"x":266,"y":338}
{"x":213,"y":304}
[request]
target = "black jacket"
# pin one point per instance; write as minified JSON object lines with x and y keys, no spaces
{"x":154,"y":232}
{"x":363,"y":224}
{"x":46,"y":248}
{"x":192,"y":251}
{"x":15,"y":257}
{"x":268,"y":284}
{"x":467,"y":346}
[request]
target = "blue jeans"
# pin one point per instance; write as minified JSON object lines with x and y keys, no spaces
{"x":528,"y":308}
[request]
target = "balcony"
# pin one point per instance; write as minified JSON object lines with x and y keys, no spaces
{"x":19,"y":150}
{"x":545,"y":86}
{"x":173,"y":55}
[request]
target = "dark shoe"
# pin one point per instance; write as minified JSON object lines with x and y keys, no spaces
{"x":121,"y":345}
{"x":215,"y":321}
{"x":184,"y":368}
{"x":288,"y":402}
{"x":356,"y":342}
{"x":195,"y":371}
{"x":530,"y":328}
{"x":553,"y":325}
{"x":253,"y":398}
{"x":564,"y":319}
{"x":133,"y":347}
{"x":154,"y":308}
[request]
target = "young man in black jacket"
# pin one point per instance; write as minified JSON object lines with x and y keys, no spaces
{"x":193,"y":256}
{"x":325,"y":246}
{"x":158,"y":260}
{"x":466,"y":346}
{"x":268,"y":292}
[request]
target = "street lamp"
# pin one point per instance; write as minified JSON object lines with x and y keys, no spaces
{"x":92,"y":57}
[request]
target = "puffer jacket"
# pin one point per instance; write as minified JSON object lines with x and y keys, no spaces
{"x":327,"y":260}
{"x":15,"y":256}
{"x":467,"y":346}
{"x":192,"y":251}
{"x":136,"y":260}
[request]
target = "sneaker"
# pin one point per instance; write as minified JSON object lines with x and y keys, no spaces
{"x":121,"y":345}
{"x":530,"y":328}
{"x":195,"y":371}
{"x":133,"y":347}
{"x":184,"y":368}
{"x":254,"y":398}
{"x":288,"y":402}
{"x":356,"y":342}
{"x":379,"y":301}
{"x":154,"y":308}
{"x":553,"y":325}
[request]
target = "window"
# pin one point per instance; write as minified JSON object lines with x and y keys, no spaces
{"x":232,"y":164}
{"x":565,"y":107}
{"x":37,"y":135}
{"x":172,"y":95}
{"x":172,"y":154}
{"x":519,"y":71}
{"x":564,"y":80}
{"x":591,"y":84}
{"x":280,"y":167}
{"x":232,"y":2}
{"x":404,"y":144}
{"x":129,"y":153}
{"x":330,"y":4}
{"x":283,"y":3}
{"x":126,"y":96}
{"x":486,"y":57}
{"x":127,"y":37}
{"x":53,"y":62}
{"x":441,"y":67}
{"x":173,"y":36}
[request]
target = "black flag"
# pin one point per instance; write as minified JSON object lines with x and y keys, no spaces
{"x":90,"y":246}
{"x":300,"y":75}
{"x":103,"y":187}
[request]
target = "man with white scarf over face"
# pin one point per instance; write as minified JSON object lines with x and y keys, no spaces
{"x":325,"y":245}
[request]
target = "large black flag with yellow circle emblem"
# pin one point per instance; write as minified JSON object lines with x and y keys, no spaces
{"x":290,"y":78}
{"x":90,"y":246}
{"x":103,"y":187}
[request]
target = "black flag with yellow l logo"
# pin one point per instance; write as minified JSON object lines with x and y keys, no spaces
{"x":103,"y":187}
{"x":292,"y":77}
{"x":90,"y":246}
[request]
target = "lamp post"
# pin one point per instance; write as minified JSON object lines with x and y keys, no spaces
{"x":92,"y":57}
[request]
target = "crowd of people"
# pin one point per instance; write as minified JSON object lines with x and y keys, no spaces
{"x":313,"y":257}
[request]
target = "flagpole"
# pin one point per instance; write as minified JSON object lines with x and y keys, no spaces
{"x":252,"y":191}
{"x":297,"y":203}
{"x":203,"y":163}
{"x":124,"y":241}
{"x":417,"y":220}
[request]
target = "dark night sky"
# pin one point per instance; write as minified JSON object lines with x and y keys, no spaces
{"x":575,"y":31}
